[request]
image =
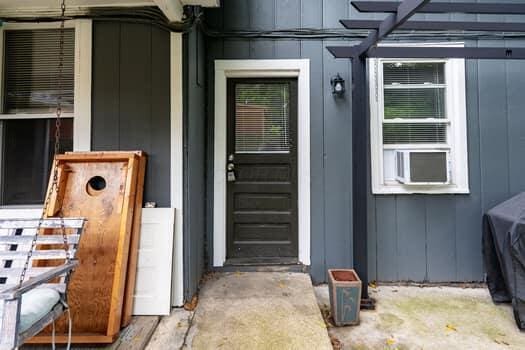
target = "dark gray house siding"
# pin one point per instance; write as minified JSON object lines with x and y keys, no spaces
{"x":331,"y":122}
{"x":410,"y":237}
{"x":194,"y":161}
{"x":131,"y":110}
{"x":438,"y":238}
{"x":131,"y":98}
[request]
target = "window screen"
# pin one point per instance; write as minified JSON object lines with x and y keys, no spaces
{"x":31,"y":71}
{"x":27,"y":157}
{"x":414,"y":103}
{"x":262,"y":117}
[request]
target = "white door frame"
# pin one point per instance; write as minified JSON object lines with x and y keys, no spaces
{"x":225,"y":69}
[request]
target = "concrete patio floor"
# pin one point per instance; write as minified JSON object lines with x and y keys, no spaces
{"x":257,"y":310}
{"x":429,"y":318}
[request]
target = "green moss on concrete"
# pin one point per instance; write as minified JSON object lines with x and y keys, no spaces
{"x":432,"y":318}
{"x":493,"y":332}
{"x":389,"y":321}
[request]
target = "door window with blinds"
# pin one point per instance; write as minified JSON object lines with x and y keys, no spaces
{"x":30,"y":89}
{"x":262,"y":114}
{"x":418,"y":126}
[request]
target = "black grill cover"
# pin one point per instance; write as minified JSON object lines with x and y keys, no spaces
{"x":504,"y":254}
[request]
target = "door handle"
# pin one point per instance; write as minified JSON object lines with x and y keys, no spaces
{"x":230,"y":173}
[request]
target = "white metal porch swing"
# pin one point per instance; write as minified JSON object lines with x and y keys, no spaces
{"x":33,"y":296}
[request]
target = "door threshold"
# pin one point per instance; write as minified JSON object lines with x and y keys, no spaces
{"x":263,"y":265}
{"x":260,"y":261}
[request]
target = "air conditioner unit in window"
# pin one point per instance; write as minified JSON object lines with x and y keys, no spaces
{"x":422,"y":167}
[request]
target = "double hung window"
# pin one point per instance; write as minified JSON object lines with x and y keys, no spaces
{"x":418,"y":126}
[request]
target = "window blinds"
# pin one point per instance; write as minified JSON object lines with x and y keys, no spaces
{"x":262,"y":117}
{"x":31,"y":71}
{"x":414,"y":103}
{"x":414,"y":73}
{"x":414,"y":133}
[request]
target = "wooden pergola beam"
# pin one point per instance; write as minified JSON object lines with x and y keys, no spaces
{"x":404,"y":11}
{"x":486,"y":53}
{"x":441,"y":25}
{"x":447,"y":7}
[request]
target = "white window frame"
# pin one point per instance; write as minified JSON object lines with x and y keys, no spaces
{"x":457,"y":129}
{"x":279,"y":68}
{"x":82,"y":90}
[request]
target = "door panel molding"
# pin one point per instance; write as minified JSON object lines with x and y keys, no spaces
{"x":257,"y":196}
{"x":225,"y":69}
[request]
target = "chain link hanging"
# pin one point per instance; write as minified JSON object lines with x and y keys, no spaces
{"x":56,"y":151}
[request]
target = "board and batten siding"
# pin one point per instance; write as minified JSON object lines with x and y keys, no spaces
{"x":438,"y":238}
{"x":431,"y":238}
{"x":131,"y":110}
{"x":330,"y":118}
{"x":194,"y":161}
{"x":131,"y":98}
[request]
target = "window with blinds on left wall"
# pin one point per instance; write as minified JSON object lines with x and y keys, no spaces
{"x":27,"y":123}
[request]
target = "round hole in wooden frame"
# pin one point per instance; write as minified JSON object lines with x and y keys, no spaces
{"x":95,"y":185}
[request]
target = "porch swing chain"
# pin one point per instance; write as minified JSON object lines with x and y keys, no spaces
{"x":56,"y":151}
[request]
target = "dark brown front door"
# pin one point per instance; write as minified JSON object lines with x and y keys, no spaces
{"x":262,"y":170}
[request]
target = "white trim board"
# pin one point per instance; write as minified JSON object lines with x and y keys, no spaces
{"x":225,"y":69}
{"x":176,"y":166}
{"x":82,"y":87}
{"x":83,"y":80}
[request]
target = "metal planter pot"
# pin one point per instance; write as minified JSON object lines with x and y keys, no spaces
{"x":345,"y":296}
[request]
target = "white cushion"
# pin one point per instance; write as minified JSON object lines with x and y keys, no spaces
{"x":35,"y":304}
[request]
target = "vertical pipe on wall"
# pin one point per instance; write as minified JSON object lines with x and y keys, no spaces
{"x":360,"y":136}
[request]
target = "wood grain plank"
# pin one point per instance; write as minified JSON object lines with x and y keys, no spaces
{"x":119,"y":279}
{"x":134,"y":244}
{"x":137,"y":335}
{"x":103,"y":250}
{"x":80,"y":338}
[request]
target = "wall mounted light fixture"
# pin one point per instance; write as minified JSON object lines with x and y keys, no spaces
{"x":338,"y":85}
